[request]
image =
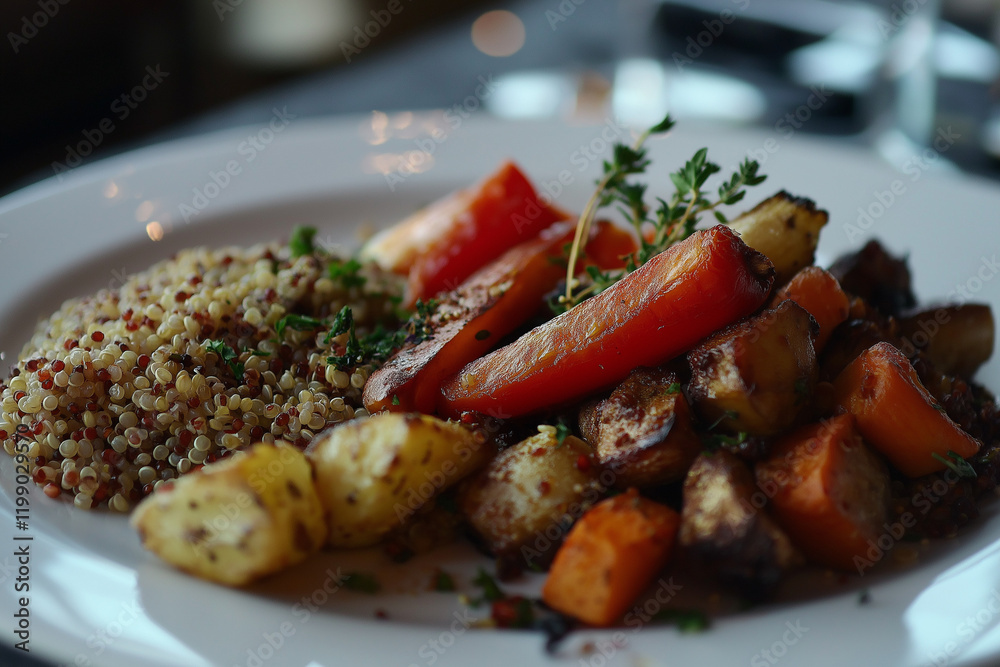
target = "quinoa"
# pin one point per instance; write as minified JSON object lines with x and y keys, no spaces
{"x":118,"y":392}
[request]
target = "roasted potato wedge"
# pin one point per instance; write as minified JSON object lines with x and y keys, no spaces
{"x":642,"y":432}
{"x":523,"y":503}
{"x":373,"y":474}
{"x":238,"y":519}
{"x":724,"y":523}
{"x":785,"y":229}
{"x":756,"y":375}
{"x":957,"y":339}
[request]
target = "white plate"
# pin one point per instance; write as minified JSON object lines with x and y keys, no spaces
{"x":97,"y":598}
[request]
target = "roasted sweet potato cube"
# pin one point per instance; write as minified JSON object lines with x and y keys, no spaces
{"x":756,"y":375}
{"x":829,"y":491}
{"x":724,"y":523}
{"x":958,"y":339}
{"x":642,"y":432}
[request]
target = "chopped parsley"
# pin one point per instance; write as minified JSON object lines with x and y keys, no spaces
{"x":228,"y":356}
{"x":491,"y":591}
{"x":346,"y":272}
{"x":482,"y":334}
{"x":360,"y":581}
{"x":685,"y":620}
{"x":297,"y":322}
{"x":443,"y":582}
{"x":674,"y":388}
{"x":562,"y":432}
{"x":395,"y":399}
{"x":301,"y":241}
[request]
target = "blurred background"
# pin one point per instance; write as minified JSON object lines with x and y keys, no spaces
{"x":85,"y":80}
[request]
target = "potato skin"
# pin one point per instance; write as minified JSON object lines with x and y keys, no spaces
{"x":785,"y":229}
{"x":373,"y":474}
{"x":756,"y":375}
{"x":643,"y":431}
{"x":238,"y":519}
{"x":520,"y":504}
{"x":724,"y":524}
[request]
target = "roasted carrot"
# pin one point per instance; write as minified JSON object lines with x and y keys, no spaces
{"x":609,"y":557}
{"x":650,"y":316}
{"x":828,"y":491}
{"x":486,"y":307}
{"x":896,"y":413}
{"x":819,"y":293}
{"x":441,"y":245}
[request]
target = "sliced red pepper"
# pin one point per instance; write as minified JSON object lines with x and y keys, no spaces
{"x":448,"y":241}
{"x":485,"y":308}
{"x":652,"y":315}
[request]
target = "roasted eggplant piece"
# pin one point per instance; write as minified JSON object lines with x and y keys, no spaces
{"x":755,"y":376}
{"x":642,"y":432}
{"x":877,"y":277}
{"x":524,"y":502}
{"x":957,"y":339}
{"x":785,"y":229}
{"x":724,"y":524}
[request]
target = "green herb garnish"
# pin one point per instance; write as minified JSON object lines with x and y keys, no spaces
{"x":301,"y":241}
{"x":958,"y":465}
{"x":395,"y":399}
{"x":491,"y":591}
{"x":346,"y":272}
{"x":672,"y":221}
{"x":674,"y":388}
{"x":297,"y":322}
{"x":360,"y":581}
{"x":685,"y":620}
{"x":228,"y":356}
{"x":443,"y":582}
{"x":562,"y":432}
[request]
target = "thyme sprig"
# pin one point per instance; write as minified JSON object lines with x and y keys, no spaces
{"x":673,"y":220}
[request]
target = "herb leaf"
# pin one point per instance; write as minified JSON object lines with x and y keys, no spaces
{"x":491,"y":591}
{"x":228,"y":356}
{"x":301,"y":241}
{"x":673,"y":220}
{"x":958,"y":465}
{"x":297,"y":322}
{"x":346,"y":271}
{"x":360,"y":581}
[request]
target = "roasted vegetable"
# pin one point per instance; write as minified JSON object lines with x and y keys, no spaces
{"x":828,"y":491}
{"x":755,"y":376}
{"x":897,"y":415}
{"x":642,"y":432}
{"x":877,"y":277}
{"x":236,"y":520}
{"x":725,"y":525}
{"x":819,"y":293}
{"x":610,"y":556}
{"x":524,"y":501}
{"x":650,"y":316}
{"x":373,"y":474}
{"x":440,"y":246}
{"x":473,"y":318}
{"x":784,"y":228}
{"x":957,"y":339}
